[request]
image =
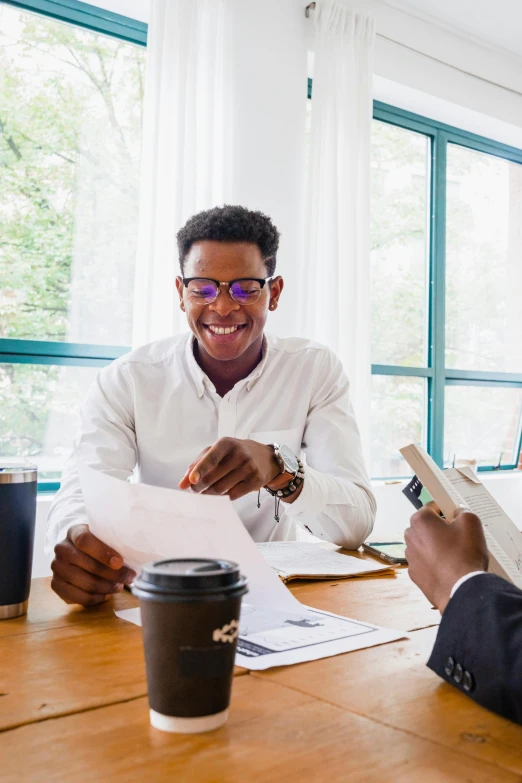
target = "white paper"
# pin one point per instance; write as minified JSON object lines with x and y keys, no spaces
{"x":503,"y":538}
{"x":271,"y":637}
{"x":295,"y":558}
{"x":145,"y":523}
{"x":453,"y":487}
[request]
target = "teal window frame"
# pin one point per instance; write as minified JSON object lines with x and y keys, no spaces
{"x":18,"y":351}
{"x":437,"y":375}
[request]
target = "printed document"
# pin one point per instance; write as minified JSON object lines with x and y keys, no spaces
{"x":462,"y":487}
{"x":302,"y":560}
{"x":146,"y":523}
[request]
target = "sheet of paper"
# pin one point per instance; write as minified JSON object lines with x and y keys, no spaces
{"x":273,"y":637}
{"x":504,"y":540}
{"x":145,"y":523}
{"x":451,"y":488}
{"x":294,"y":558}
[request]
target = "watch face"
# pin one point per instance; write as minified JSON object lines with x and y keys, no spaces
{"x":291,"y":463}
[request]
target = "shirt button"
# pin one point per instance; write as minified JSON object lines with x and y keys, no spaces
{"x":450,"y":666}
{"x":458,"y":674}
{"x":468,"y":682}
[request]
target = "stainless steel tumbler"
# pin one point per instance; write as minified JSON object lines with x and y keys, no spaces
{"x":17,"y":523}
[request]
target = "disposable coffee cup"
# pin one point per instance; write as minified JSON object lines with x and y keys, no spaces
{"x":190,"y":622}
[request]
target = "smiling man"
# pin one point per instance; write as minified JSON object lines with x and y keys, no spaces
{"x":224,"y":410}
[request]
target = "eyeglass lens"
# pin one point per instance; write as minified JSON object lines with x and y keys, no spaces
{"x":241,"y":291}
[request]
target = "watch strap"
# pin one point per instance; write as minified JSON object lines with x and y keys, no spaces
{"x":290,"y":487}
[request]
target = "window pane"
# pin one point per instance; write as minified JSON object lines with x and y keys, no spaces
{"x":40,"y":412}
{"x":70,"y":131}
{"x":484,"y":271}
{"x":481,"y":423}
{"x":398,"y":418}
{"x":399,"y":241}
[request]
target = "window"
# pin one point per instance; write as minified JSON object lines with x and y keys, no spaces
{"x":446,"y":244}
{"x":70,"y":130}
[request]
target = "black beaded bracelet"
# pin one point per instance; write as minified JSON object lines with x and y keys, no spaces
{"x":286,"y":491}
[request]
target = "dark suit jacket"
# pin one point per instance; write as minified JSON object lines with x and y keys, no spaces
{"x":479,"y":644}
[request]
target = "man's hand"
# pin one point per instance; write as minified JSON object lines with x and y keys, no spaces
{"x":439,"y":553}
{"x":87,"y":571}
{"x":232,"y":467}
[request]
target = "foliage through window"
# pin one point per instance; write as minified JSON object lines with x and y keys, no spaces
{"x":446,"y":244}
{"x":70,"y":131}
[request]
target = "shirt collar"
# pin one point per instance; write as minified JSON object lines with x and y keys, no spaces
{"x":257,"y":371}
{"x":198,"y":376}
{"x":201,"y":379}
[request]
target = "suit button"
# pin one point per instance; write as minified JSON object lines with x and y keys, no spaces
{"x":468,"y":682}
{"x":450,"y":666}
{"x":458,"y":674}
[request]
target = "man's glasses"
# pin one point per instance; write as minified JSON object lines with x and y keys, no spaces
{"x":244,"y":290}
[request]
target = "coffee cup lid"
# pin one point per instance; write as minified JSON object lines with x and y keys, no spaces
{"x":190,"y":576}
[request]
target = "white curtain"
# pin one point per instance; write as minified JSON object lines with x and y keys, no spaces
{"x":336,"y":294}
{"x":185,"y":148}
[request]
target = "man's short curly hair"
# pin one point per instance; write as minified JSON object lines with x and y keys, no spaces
{"x":231,"y":224}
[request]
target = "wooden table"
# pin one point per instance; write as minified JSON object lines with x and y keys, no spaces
{"x":73,"y":704}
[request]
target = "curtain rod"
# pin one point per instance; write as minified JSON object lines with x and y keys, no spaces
{"x":311,"y":7}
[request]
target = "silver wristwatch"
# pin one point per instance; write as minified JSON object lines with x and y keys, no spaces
{"x":286,"y":458}
{"x":291,"y":465}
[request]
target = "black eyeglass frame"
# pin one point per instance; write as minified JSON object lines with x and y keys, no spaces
{"x":261,"y":280}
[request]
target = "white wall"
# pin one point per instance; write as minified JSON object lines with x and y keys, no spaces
{"x":432,"y":70}
{"x":466,"y":55}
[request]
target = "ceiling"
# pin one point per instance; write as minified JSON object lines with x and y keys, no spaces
{"x":494,"y":22}
{"x":135,"y":9}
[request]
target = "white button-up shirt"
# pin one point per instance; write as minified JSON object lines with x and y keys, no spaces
{"x":150,"y":413}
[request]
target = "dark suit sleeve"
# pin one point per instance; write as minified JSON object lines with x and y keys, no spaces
{"x":479,"y":644}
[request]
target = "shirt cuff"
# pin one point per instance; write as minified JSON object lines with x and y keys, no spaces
{"x":463,"y":579}
{"x":311,"y":497}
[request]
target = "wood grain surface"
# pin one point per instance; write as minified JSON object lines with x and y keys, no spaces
{"x":274,"y":734}
{"x":392,"y":685}
{"x":78,"y":659}
{"x":73,"y":704}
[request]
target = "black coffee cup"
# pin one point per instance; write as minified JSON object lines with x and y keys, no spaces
{"x":190,"y":620}
{"x":17,"y":522}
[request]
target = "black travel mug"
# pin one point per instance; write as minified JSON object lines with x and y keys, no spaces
{"x":190,"y":619}
{"x":17,"y":523}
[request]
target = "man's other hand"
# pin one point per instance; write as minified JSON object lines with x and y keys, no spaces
{"x":232,"y":467}
{"x":439,"y":554}
{"x":85,"y":570}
